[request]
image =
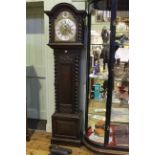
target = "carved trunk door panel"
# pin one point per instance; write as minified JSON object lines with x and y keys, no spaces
{"x":67,"y":80}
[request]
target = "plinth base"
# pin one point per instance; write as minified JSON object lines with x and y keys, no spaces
{"x":66,"y":129}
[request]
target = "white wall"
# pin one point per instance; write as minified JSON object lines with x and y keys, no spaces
{"x":35,"y":62}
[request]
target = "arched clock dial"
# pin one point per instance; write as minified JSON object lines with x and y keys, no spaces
{"x":65,"y":29}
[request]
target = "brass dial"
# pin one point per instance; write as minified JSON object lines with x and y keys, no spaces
{"x":65,"y":29}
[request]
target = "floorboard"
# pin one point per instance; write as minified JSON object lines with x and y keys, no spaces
{"x":40,"y":142}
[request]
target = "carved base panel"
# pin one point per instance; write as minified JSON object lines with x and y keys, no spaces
{"x":66,"y":128}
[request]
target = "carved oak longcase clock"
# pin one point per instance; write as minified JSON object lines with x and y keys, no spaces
{"x":66,"y":37}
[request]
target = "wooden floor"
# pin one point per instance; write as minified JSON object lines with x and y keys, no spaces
{"x":40,"y":142}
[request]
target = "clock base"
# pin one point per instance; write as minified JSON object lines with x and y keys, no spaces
{"x":65,"y":141}
{"x":66,"y":128}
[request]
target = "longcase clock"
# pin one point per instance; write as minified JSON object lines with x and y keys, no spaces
{"x":66,"y":37}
